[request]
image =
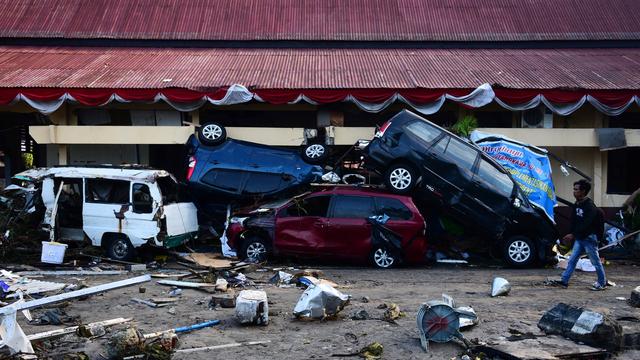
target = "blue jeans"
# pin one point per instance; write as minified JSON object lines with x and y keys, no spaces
{"x":590,"y":246}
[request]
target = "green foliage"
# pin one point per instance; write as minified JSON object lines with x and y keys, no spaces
{"x":27,"y":159}
{"x":465,"y":126}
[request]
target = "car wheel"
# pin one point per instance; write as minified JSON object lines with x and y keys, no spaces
{"x":315,"y":153}
{"x":400,"y":178}
{"x":255,"y":249}
{"x":382,"y":258}
{"x":519,"y":251}
{"x":212,"y":133}
{"x":120,"y":248}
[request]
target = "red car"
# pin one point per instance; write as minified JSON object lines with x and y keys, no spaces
{"x":334,"y":223}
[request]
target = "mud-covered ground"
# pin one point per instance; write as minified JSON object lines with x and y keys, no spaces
{"x":407,"y":287}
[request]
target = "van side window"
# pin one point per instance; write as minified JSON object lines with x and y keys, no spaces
{"x":106,"y":191}
{"x":423,"y":131}
{"x":393,"y":208}
{"x":352,"y":207}
{"x":311,"y":206}
{"x":142,"y":200}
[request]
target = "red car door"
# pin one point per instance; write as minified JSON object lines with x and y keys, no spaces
{"x":349,"y":233}
{"x":302,"y":226}
{"x":405,"y":221}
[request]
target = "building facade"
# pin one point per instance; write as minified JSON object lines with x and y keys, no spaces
{"x":89,"y":82}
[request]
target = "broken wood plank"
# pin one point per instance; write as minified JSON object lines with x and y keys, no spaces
{"x":148,"y":303}
{"x":209,"y":260}
{"x":185,"y":284}
{"x":72,"y":272}
{"x":224,"y":346}
{"x":74,"y":294}
{"x":69,"y":330}
{"x":163,"y":275}
{"x":164,"y":300}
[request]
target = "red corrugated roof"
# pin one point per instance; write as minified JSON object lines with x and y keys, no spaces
{"x":368,"y":20}
{"x":319,"y":68}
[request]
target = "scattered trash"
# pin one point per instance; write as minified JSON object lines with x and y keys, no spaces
{"x":365,"y":299}
{"x":451,"y":261}
{"x":320,"y":301}
{"x":224,"y":346}
{"x":221,"y":285}
{"x":331,"y":177}
{"x":73,"y":273}
{"x":191,"y":285}
{"x":252,"y":307}
{"x":500,"y":287}
{"x":53,"y":252}
{"x":392,"y":312}
{"x":172,"y":311}
{"x":153,"y":304}
{"x":634,"y":300}
{"x":91,"y":330}
{"x":55,"y":317}
{"x":12,"y":283}
{"x":70,"y":330}
{"x":361,"y":314}
{"x":439,"y":321}
{"x":175,"y":292}
{"x":210,"y":260}
{"x":621,"y":298}
{"x":223,"y":302}
{"x":372,"y":351}
{"x":281,"y":278}
{"x":125,"y":342}
{"x":13,"y":336}
{"x":136,"y":267}
{"x":582,"y":264}
{"x":581,"y":325}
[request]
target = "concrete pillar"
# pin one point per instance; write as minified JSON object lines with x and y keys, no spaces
{"x":63,"y":154}
{"x":195,"y":117}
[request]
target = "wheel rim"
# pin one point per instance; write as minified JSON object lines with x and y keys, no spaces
{"x":120,"y":248}
{"x":519,"y":251}
{"x":314,"y":151}
{"x":382,"y":258}
{"x":212,"y":131}
{"x":256,"y":251}
{"x":400,"y":178}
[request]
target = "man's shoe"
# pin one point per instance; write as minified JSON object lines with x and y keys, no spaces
{"x":597,"y":287}
{"x":558,"y":283}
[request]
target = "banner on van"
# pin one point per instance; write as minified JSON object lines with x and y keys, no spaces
{"x":529,"y":166}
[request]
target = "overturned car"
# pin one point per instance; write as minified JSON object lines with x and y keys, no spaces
{"x":441,"y":169}
{"x":119,"y":209}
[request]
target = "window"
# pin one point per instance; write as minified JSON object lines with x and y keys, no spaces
{"x":142,"y":200}
{"x":423,"y":131}
{"x":623,"y":177}
{"x":495,"y":179}
{"x":352,"y":207}
{"x":227,"y":180}
{"x":261,"y":183}
{"x":107,"y":191}
{"x":311,"y":206}
{"x":393,"y":208}
{"x":461,"y":154}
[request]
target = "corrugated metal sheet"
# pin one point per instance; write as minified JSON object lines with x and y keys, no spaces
{"x":200,"y":69}
{"x":366,"y":20}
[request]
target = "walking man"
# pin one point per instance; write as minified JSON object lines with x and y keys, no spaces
{"x":585,"y":225}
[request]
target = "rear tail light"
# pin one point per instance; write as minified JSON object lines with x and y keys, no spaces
{"x":384,"y":128}
{"x":192,"y":166}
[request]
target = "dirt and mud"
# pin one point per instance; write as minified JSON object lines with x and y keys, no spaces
{"x":290,"y":338}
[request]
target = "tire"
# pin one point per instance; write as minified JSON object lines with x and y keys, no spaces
{"x":401,"y":178}
{"x":120,"y":248}
{"x":255,"y":249}
{"x":315,"y":153}
{"x":212,"y":134}
{"x":519,"y":251}
{"x":382,"y":258}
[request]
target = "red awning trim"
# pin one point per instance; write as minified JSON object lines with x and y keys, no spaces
{"x":426,"y":101}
